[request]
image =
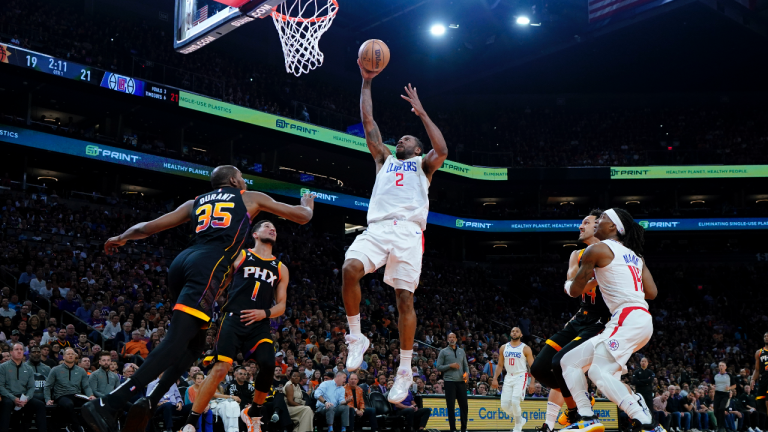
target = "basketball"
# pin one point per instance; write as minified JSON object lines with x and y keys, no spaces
{"x":374,"y":55}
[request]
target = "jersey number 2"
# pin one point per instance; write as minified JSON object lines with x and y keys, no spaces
{"x":221,"y":218}
{"x":399,"y":181}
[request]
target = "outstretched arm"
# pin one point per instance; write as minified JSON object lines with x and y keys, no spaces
{"x":146,"y":229}
{"x":435,"y":158}
{"x":372,"y":134}
{"x":301,"y":214}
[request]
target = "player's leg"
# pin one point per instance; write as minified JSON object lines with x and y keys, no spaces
{"x":573,"y":364}
{"x":101,"y":415}
{"x":215,"y":376}
{"x":543,"y":369}
{"x":603,"y":373}
{"x":557,"y":369}
{"x":365,"y":255}
{"x":517,"y":396}
{"x":264,"y":354}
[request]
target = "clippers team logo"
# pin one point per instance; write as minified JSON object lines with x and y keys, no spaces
{"x":122,"y":84}
{"x":613,"y":344}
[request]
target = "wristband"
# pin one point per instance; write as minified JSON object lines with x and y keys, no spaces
{"x":267,"y":312}
{"x":567,"y":287}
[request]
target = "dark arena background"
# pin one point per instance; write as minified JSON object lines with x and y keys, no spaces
{"x":550,"y":109}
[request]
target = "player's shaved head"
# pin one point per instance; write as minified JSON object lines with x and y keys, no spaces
{"x":224,"y":176}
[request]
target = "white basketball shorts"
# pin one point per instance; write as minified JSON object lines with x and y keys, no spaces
{"x":397,"y":244}
{"x":628,"y":331}
{"x":514,"y":387}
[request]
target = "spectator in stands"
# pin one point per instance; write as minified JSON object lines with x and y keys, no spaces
{"x":85,"y":363}
{"x":64,"y":382}
{"x":170,"y":402}
{"x":45,"y":356}
{"x":38,"y":285}
{"x":36,"y":362}
{"x":415,"y":418}
{"x":84,"y":312}
{"x":206,"y":419}
{"x":297,"y":406}
{"x":331,"y":400}
{"x":135,"y":350}
{"x":356,"y":402}
{"x":17,"y":390}
{"x":124,"y":335}
{"x":102,"y":380}
{"x":14,"y":303}
{"x":5,"y":310}
{"x":69,"y":304}
{"x":71,"y":336}
{"x":26,"y":277}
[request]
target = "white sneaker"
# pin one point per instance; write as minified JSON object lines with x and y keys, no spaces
{"x":519,"y":427}
{"x":403,"y":383}
{"x":358,"y":345}
{"x":188,"y":428}
{"x":750,"y":430}
{"x":253,"y":423}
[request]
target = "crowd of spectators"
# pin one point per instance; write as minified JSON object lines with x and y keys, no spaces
{"x":482,"y":135}
{"x":63,"y":292}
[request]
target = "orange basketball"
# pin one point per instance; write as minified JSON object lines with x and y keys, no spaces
{"x":374,"y":55}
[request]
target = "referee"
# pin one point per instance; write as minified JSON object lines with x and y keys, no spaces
{"x":452,"y":363}
{"x":723,"y":386}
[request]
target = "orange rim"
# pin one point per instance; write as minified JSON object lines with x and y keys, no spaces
{"x":282,"y":17}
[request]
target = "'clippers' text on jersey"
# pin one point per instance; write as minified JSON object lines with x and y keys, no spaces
{"x":400,"y":192}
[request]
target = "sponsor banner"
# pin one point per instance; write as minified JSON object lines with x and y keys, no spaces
{"x":681,"y":172}
{"x":74,"y":147}
{"x":308,"y":130}
{"x":485,"y":413}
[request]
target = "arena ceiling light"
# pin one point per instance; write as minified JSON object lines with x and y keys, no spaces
{"x":523,"y":20}
{"x":437,"y":30}
{"x":632,"y":202}
{"x":48,"y":178}
{"x":499,"y":245}
{"x":698,"y":201}
{"x":570,"y":245}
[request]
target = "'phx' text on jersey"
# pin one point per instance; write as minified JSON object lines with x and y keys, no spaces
{"x":198,"y":273}
{"x":254,"y":284}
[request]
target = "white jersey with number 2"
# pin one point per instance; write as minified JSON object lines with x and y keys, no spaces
{"x":515,"y":362}
{"x":400,"y":192}
{"x":621,"y":281}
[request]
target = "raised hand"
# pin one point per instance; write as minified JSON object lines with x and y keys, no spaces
{"x":413,"y":99}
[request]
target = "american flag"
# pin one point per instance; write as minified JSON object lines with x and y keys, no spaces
{"x":602,"y":9}
{"x":201,"y":15}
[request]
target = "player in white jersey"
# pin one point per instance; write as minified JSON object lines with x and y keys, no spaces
{"x":517,"y":359}
{"x":625,"y":281}
{"x":397,"y":216}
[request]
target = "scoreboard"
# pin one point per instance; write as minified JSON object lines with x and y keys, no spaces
{"x":88,"y":74}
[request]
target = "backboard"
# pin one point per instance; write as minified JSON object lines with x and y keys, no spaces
{"x":200,"y":22}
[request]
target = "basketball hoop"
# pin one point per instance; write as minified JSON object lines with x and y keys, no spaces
{"x":300,"y":26}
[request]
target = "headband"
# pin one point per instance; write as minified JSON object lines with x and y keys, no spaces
{"x":615,"y":219}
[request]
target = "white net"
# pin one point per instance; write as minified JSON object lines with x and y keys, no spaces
{"x":300,"y":24}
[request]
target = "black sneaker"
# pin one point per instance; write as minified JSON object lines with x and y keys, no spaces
{"x":544,"y":428}
{"x":138,"y":416}
{"x":99,"y":416}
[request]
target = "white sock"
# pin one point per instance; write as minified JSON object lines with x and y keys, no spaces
{"x":552,"y":411}
{"x":354,"y":324}
{"x":634,"y":409}
{"x":405,"y":360}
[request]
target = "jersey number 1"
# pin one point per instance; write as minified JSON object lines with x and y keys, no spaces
{"x":399,"y":181}
{"x":637,"y":278}
{"x":221,"y":218}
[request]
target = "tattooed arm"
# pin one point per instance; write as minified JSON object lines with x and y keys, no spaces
{"x":372,"y":134}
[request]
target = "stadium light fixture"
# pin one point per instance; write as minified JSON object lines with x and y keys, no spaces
{"x":632,"y":202}
{"x":523,"y":20}
{"x":437,"y":30}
